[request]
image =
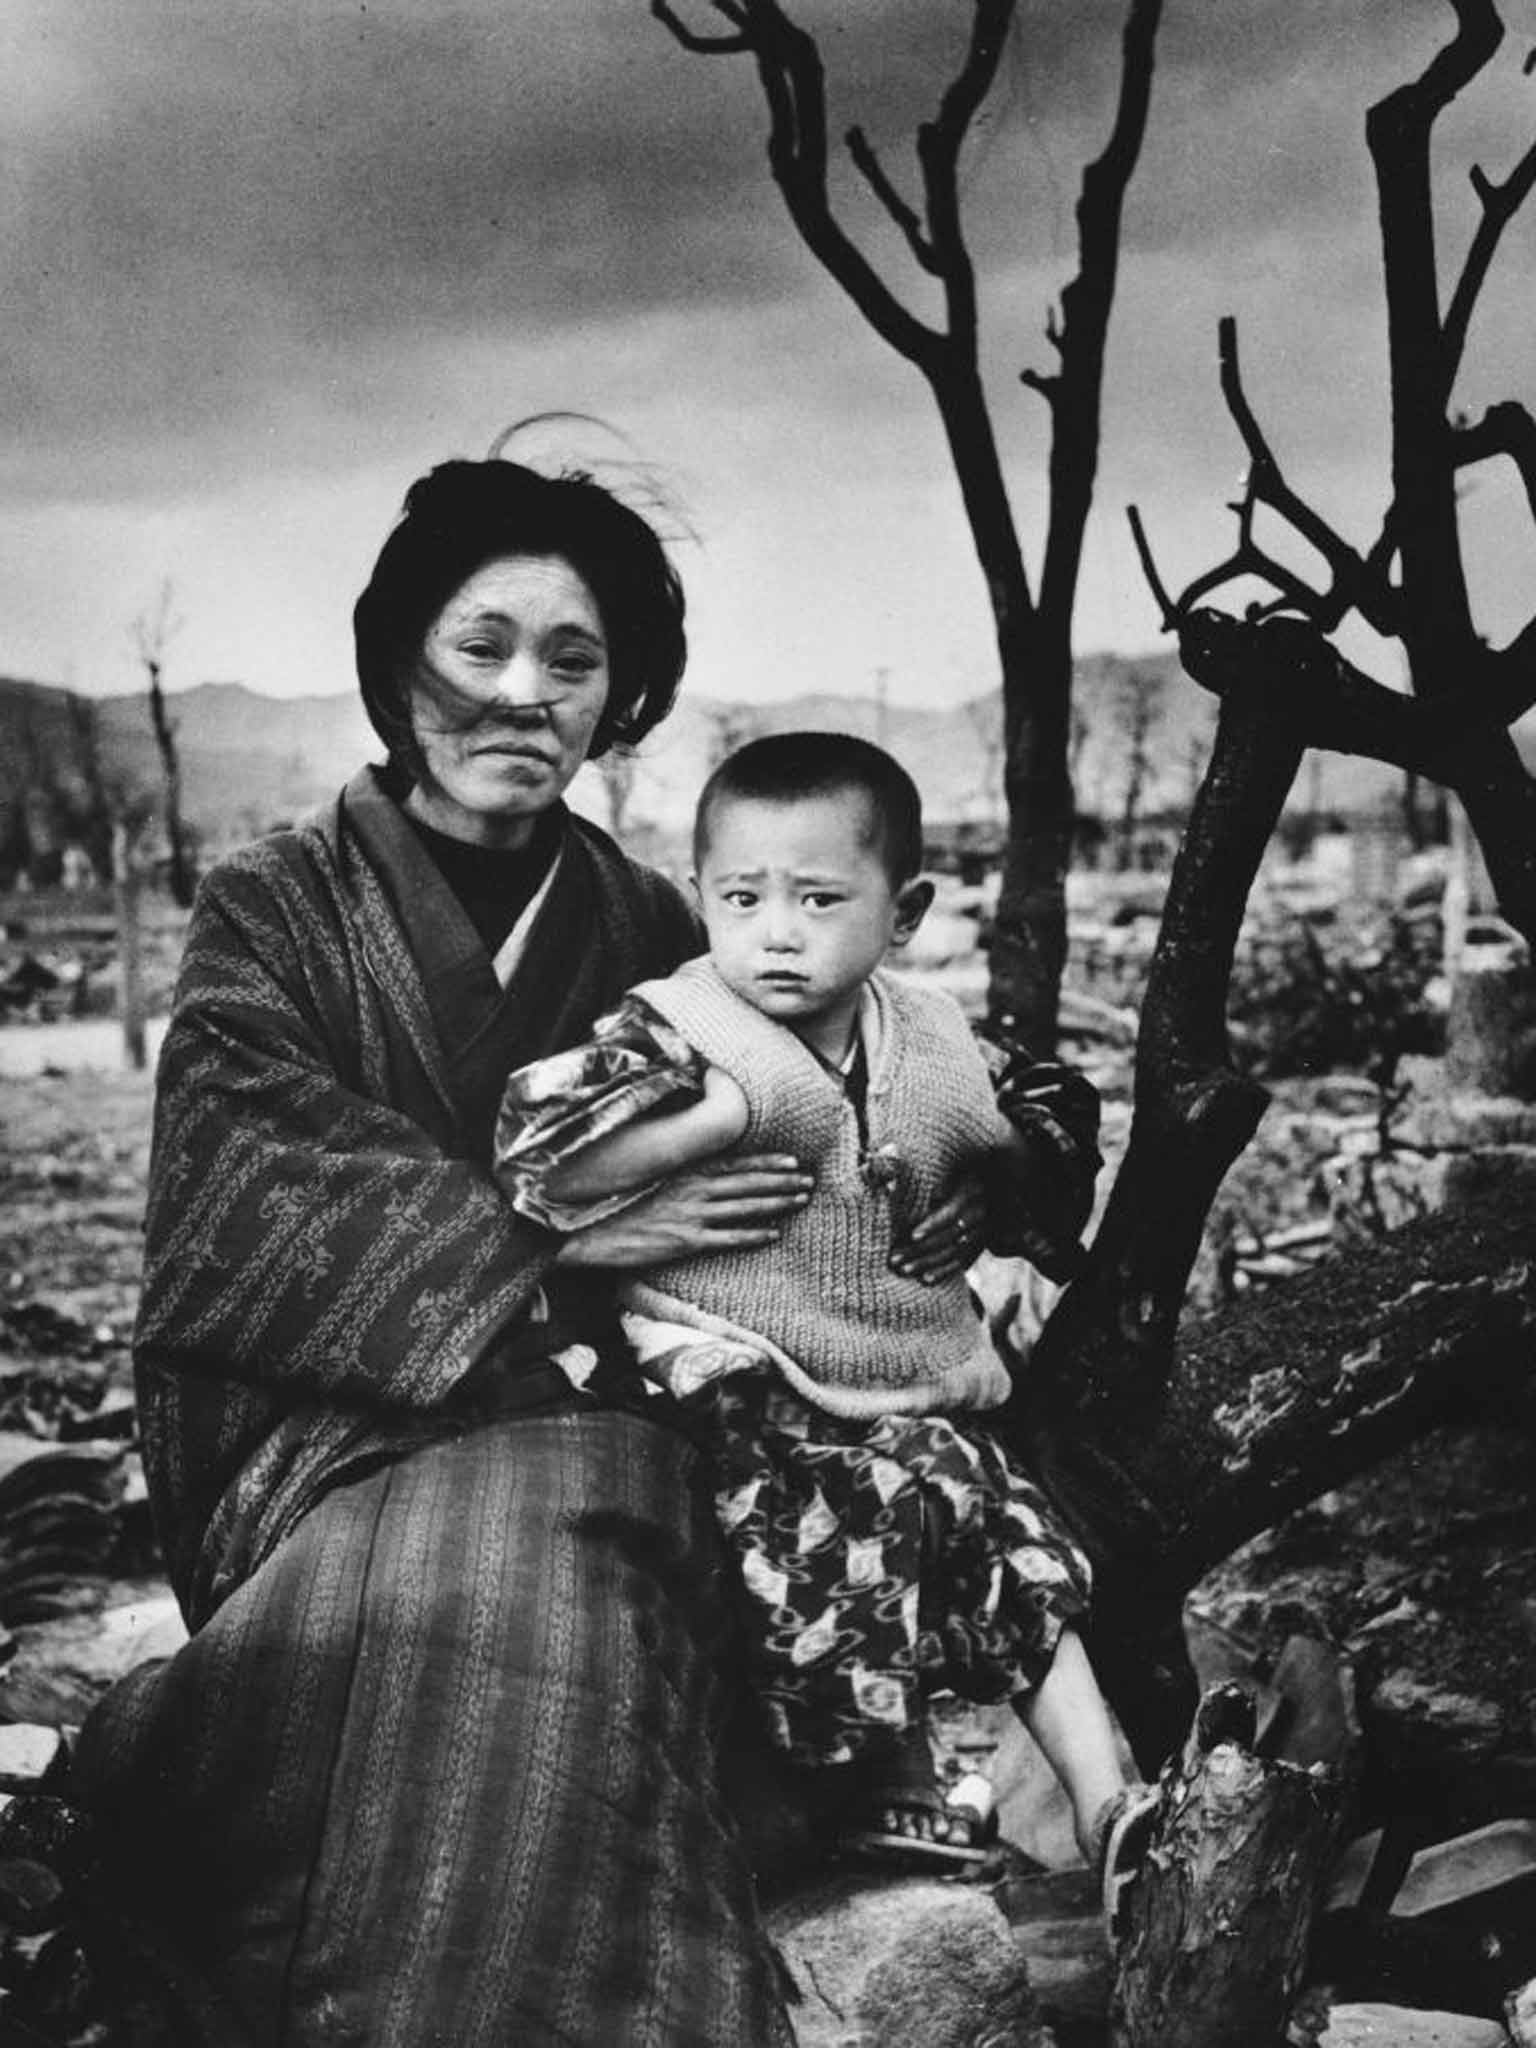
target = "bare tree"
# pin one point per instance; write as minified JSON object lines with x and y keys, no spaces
{"x":1139,"y":711}
{"x":152,"y":635}
{"x":1032,"y":616}
{"x":99,"y":806}
{"x":1171,"y":1454}
{"x":113,"y":822}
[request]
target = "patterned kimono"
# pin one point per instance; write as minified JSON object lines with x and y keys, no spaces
{"x":437,"y":1765}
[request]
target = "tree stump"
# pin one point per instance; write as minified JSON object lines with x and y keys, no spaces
{"x":1219,"y":1918}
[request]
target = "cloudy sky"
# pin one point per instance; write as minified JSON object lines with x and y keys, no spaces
{"x":263,"y":261}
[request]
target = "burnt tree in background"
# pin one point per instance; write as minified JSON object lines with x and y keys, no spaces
{"x":152,"y":634}
{"x":1032,"y":618}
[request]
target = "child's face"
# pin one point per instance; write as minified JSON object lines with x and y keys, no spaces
{"x":800,"y":910}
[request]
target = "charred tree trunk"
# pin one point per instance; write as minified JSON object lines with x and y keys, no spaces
{"x":1029,"y":936}
{"x":1033,"y":630}
{"x":130,"y":951}
{"x":1220,"y":1917}
{"x":1168,"y":1449}
{"x":183,"y":881}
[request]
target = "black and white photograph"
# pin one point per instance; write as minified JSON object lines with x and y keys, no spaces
{"x":767,"y":1024}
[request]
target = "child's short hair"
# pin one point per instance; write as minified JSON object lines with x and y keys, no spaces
{"x":788,"y":766}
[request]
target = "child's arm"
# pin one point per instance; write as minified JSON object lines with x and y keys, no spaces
{"x":653,"y":1149}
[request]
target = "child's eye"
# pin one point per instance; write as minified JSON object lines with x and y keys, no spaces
{"x":740,"y":899}
{"x":821,"y":899}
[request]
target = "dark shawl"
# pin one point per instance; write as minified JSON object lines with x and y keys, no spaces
{"x":331,"y":1276}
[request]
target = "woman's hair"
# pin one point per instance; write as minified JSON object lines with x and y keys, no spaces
{"x":788,"y":767}
{"x":462,"y":515}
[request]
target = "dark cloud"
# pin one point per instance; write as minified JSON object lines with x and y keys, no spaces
{"x":253,"y":224}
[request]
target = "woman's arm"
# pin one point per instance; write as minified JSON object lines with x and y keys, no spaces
{"x":301,"y":1235}
{"x":653,"y":1149}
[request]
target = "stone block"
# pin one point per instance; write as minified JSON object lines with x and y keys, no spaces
{"x":1490,"y":1028}
{"x":1415,"y":1724}
{"x":894,"y":1962}
{"x":1438,"y":1120}
{"x":1469,"y":1867}
{"x":1400,"y":2026}
{"x":1520,"y":2011}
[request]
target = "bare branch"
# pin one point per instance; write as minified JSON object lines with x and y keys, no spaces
{"x":1500,"y":204}
{"x":1339,"y":707}
{"x":1165,"y":604}
{"x":939,"y":142}
{"x":1419,"y":103}
{"x":1353,"y":585}
{"x":692,"y":39}
{"x":1511,"y":690}
{"x":1085,"y":308}
{"x":152,"y":632}
{"x":794,"y":84}
{"x":1323,"y":608}
{"x":1504,"y":429}
{"x":870,"y":168}
{"x":1435,"y":606}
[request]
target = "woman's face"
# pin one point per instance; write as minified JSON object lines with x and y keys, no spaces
{"x":511,"y":683}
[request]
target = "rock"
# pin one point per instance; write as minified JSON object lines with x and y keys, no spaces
{"x":1470,"y":1867}
{"x":62,"y":1667}
{"x":1520,"y":2011}
{"x":28,"y":1755}
{"x":1413,"y":1723}
{"x":1352,"y":1873}
{"x":1490,"y":1030}
{"x":1058,"y":1920}
{"x":894,"y":1962}
{"x":1437,"y":1121}
{"x":1400,"y":2026}
{"x":31,"y":1896}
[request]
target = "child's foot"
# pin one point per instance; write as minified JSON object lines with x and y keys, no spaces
{"x":902,"y":1818}
{"x":1122,"y":1835}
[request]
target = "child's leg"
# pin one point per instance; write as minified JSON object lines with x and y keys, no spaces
{"x":1067,"y":1716}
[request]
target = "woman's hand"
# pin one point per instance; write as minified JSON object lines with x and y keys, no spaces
{"x":727,"y":1206}
{"x":947,"y":1240}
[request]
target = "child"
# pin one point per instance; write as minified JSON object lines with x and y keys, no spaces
{"x":886,"y":1545}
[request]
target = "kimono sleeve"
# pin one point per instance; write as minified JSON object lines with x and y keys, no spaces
{"x":302,"y":1236}
{"x":634,"y":1062}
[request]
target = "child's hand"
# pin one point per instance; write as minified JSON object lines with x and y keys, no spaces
{"x":949,"y":1238}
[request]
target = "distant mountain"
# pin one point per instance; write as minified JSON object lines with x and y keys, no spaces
{"x":249,"y":761}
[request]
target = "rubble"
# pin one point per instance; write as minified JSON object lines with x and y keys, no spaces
{"x":881,"y":1963}
{"x":1396,"y":2026}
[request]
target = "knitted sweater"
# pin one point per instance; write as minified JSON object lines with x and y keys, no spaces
{"x":850,"y":1335}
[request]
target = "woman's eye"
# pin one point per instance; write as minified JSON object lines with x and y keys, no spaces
{"x":574,"y":668}
{"x":480,"y":650}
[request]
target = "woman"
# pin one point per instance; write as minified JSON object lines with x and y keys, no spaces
{"x":438,"y":1763}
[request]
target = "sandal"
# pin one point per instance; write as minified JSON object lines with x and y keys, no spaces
{"x":969,"y":1801}
{"x":900,"y":1780}
{"x":1123,"y":1834}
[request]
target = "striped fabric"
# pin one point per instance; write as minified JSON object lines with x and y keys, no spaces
{"x":440,"y":1771}
{"x":438,"y":1765}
